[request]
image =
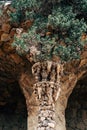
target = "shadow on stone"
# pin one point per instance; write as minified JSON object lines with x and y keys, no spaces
{"x":76,"y":112}
{"x":13,"y":111}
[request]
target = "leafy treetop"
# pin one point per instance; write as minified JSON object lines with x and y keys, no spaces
{"x":57,"y":29}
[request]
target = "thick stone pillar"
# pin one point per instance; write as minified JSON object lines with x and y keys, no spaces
{"x":26,"y":83}
{"x":46,"y":99}
{"x":47,"y":89}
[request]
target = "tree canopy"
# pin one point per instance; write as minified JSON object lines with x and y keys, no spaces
{"x":58,"y":28}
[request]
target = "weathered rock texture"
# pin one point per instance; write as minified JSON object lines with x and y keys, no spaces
{"x":18,"y":68}
{"x":71,"y":74}
{"x":47,"y":89}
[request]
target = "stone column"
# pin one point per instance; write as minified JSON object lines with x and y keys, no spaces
{"x":46,"y":89}
{"x":26,"y":83}
{"x":43,"y":95}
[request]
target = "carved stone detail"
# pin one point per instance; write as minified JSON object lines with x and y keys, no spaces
{"x":47,"y":89}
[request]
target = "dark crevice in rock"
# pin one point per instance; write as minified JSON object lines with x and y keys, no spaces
{"x":13,"y":111}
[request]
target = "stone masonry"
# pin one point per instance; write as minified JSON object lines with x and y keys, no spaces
{"x":46,"y":88}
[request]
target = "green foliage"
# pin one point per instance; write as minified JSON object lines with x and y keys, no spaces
{"x":30,"y":9}
{"x":25,"y":9}
{"x":79,"y":6}
{"x":27,"y":40}
{"x":1,"y":6}
{"x":61,"y":18}
{"x":63,"y":23}
{"x":69,"y":30}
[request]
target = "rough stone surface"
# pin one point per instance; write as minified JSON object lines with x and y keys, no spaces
{"x":6,"y":28}
{"x":5,"y":37}
{"x":47,"y":89}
